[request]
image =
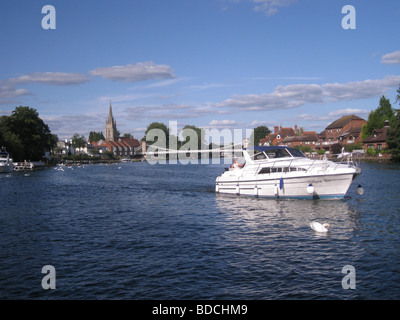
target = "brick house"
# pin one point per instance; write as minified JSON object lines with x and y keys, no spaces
{"x":345,"y":131}
{"x":377,"y":140}
{"x":276,"y":138}
{"x":306,"y":139}
{"x":123,"y":147}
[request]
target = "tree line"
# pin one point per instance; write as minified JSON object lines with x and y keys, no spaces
{"x":27,"y":137}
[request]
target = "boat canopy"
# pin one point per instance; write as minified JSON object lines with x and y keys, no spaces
{"x":279,"y":151}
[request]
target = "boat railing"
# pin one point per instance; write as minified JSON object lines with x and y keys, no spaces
{"x":349,"y":161}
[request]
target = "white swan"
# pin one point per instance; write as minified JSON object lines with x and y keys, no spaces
{"x":318,"y":227}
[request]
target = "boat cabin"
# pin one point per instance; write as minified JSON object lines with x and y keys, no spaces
{"x":269,"y":153}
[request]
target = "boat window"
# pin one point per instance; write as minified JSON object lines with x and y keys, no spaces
{"x":296,"y":153}
{"x":277,"y":169}
{"x":277,"y":153}
{"x":265,"y":170}
{"x":259,"y":156}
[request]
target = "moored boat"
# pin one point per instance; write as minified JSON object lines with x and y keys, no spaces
{"x":6,"y":162}
{"x":284,"y":172}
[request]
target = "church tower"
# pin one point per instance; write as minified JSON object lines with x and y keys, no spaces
{"x":111,"y":127}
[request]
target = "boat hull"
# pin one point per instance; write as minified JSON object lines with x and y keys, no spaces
{"x":6,"y":168}
{"x":323,"y":186}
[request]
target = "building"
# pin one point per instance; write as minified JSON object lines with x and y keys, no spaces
{"x":119,"y":146}
{"x":111,"y":127}
{"x":344,"y":131}
{"x":377,"y":140}
{"x":276,"y":138}
{"x":124,"y":147}
{"x":305,"y":139}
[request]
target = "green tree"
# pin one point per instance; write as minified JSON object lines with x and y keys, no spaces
{"x":78,"y":141}
{"x":377,"y":118}
{"x":259,"y":133}
{"x":336,"y":148}
{"x":96,"y":136}
{"x":127,"y":135}
{"x":28,"y":131}
{"x":157,"y":136}
{"x":393,"y":138}
{"x":201,"y":143}
{"x":398,"y":95}
{"x":10,"y":140}
{"x":303,"y":148}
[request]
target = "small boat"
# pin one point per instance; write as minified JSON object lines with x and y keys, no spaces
{"x":126,"y":160}
{"x":284,"y":172}
{"x":6,"y":162}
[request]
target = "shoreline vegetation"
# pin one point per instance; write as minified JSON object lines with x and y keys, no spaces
{"x":28,"y":138}
{"x":87,"y":161}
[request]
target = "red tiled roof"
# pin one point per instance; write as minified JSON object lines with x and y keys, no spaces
{"x":378,"y":135}
{"x":340,"y":123}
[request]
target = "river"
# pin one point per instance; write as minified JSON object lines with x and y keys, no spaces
{"x":141,"y":231}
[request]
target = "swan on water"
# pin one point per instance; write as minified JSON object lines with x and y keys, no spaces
{"x":318,"y":227}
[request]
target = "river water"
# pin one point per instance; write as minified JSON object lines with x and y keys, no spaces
{"x":141,"y":231}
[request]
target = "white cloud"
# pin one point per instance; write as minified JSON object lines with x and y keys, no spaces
{"x":294,"y":96}
{"x":9,"y":93}
{"x":288,"y":97}
{"x":222,"y":122}
{"x":54,"y":78}
{"x":391,"y":58}
{"x":257,"y":123}
{"x":66,"y":125}
{"x":8,"y":90}
{"x":132,"y":73}
{"x":359,"y":89}
{"x":270,"y":7}
{"x":348,"y":111}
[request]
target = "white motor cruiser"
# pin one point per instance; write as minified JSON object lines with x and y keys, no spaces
{"x":6,"y":162}
{"x":284,"y":172}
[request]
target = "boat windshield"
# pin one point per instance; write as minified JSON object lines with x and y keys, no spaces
{"x":296,"y":153}
{"x":274,"y":153}
{"x":277,"y":153}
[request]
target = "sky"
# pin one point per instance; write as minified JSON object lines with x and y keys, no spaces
{"x":214,"y":64}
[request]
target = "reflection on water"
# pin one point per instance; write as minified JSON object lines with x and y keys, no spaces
{"x":289,"y":214}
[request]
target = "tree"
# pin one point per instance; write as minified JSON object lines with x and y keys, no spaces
{"x":201,"y":143}
{"x":377,"y":118}
{"x":78,"y":141}
{"x":303,"y":148}
{"x":259,"y":133}
{"x":393,"y":138}
{"x":10,"y":140}
{"x":27,"y":134}
{"x":127,"y":135}
{"x":96,"y":136}
{"x":336,"y":148}
{"x":398,"y":95}
{"x":157,"y":132}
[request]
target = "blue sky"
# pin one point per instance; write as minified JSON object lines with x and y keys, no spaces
{"x":224,"y":64}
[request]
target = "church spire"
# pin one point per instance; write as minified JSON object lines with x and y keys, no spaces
{"x":110,"y":115}
{"x":111,"y":126}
